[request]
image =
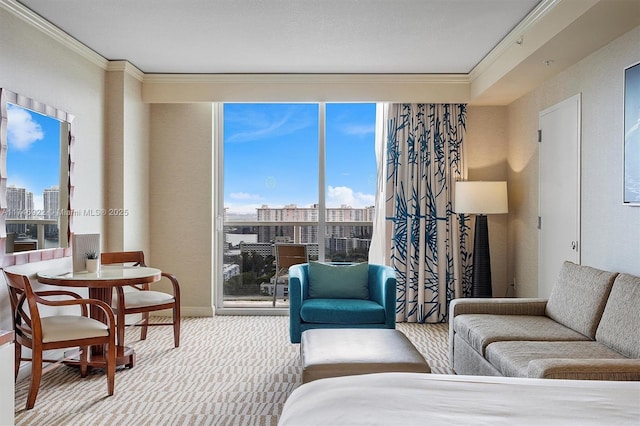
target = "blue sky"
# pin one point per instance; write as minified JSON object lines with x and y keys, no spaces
{"x":33,"y":155}
{"x":271,"y":155}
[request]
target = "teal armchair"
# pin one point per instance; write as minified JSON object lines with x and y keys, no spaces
{"x":378,"y":311}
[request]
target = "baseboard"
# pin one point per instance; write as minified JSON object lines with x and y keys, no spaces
{"x":187,"y":311}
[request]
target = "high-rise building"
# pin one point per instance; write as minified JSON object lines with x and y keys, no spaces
{"x":19,"y":206}
{"x":51,"y":208}
{"x":28,"y":204}
{"x":309,"y":233}
{"x":16,"y":202}
{"x":51,"y":201}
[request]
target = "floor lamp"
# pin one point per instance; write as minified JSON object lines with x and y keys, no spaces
{"x":481,"y":198}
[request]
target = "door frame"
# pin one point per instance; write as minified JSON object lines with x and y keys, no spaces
{"x":577,"y":100}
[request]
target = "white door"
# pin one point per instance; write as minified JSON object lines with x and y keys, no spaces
{"x":559,"y":207}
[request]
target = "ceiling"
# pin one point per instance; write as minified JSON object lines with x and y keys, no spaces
{"x":289,"y":36}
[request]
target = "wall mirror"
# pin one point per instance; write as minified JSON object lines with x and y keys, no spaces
{"x":631,"y":191}
{"x":35,"y":163}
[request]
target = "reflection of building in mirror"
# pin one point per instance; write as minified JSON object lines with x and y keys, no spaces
{"x":26,"y":224}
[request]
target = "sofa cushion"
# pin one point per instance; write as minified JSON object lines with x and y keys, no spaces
{"x":578,"y":298}
{"x":480,"y":330}
{"x":328,"y":281}
{"x":619,"y":327}
{"x":512,"y":358}
{"x":342,"y":311}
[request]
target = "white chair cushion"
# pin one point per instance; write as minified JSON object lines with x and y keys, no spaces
{"x":71,"y":327}
{"x":136,"y":299}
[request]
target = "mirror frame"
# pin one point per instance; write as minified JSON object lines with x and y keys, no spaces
{"x":66,"y":171}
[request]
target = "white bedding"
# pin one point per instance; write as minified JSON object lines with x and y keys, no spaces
{"x":433,"y":399}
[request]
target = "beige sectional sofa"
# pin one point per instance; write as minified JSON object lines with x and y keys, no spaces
{"x":589,"y":328}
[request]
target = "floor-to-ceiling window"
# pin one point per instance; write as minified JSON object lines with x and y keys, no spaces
{"x":292,"y":173}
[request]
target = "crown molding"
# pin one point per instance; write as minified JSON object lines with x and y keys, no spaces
{"x":126,"y":67}
{"x":46,"y":27}
{"x":515,"y":37}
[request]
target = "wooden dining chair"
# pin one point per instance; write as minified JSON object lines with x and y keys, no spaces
{"x":142,"y":300}
{"x":287,"y":255}
{"x":43,"y":333}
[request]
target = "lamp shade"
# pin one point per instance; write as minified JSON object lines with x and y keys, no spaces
{"x":481,"y":197}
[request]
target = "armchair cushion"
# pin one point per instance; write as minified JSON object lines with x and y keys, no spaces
{"x":328,"y":281}
{"x":342,"y":311}
{"x":136,"y":299}
{"x":71,"y":327}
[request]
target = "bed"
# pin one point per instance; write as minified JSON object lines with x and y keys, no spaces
{"x":434,"y":399}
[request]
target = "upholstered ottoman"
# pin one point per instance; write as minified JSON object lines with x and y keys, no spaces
{"x":328,"y":352}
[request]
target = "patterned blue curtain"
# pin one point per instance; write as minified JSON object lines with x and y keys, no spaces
{"x":428,"y":242}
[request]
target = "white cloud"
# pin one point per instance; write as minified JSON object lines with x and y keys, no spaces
{"x":359,"y":129}
{"x":242,"y":205}
{"x":22,"y":130}
{"x":341,"y":195}
{"x":260,"y":124}
{"x":244,"y":196}
{"x":241,"y":209}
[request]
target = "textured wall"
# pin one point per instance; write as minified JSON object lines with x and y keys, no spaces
{"x":486,"y":156}
{"x":610,"y":233}
{"x":180,"y":191}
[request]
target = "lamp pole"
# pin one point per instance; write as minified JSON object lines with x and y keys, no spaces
{"x":481,"y":259}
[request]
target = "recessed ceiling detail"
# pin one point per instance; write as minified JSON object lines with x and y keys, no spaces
{"x":289,"y":36}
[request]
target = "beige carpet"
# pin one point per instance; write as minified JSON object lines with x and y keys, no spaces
{"x":229,"y":370}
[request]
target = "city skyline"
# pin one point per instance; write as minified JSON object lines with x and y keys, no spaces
{"x":271,"y":156}
{"x":20,"y":202}
{"x":33,"y":152}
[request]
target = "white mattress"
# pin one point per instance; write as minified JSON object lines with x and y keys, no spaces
{"x":433,"y":399}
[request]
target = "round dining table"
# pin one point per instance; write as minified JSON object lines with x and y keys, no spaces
{"x":101,"y":285}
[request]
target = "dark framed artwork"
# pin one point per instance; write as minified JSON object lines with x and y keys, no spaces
{"x":631,"y":190}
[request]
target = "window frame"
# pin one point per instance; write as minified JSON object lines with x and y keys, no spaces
{"x":218,"y":202}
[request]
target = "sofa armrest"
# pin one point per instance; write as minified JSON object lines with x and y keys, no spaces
{"x":298,"y":289}
{"x":585,"y":369}
{"x":382,"y":290}
{"x":498,"y":306}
